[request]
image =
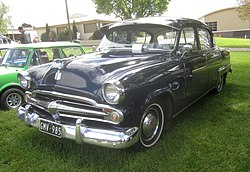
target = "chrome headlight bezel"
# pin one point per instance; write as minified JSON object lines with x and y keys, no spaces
{"x":113,"y":92}
{"x":24,"y":79}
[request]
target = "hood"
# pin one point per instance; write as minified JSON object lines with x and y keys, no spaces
{"x":87,"y":73}
{"x":4,"y":70}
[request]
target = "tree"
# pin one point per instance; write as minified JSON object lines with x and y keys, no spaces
{"x":45,"y":36}
{"x":74,"y":30}
{"x":25,"y":25}
{"x":47,"y":29}
{"x":244,"y":9}
{"x":127,"y":9}
{"x":4,"y":19}
{"x":64,"y":36}
{"x":97,"y":35}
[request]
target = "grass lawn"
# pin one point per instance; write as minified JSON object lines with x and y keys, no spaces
{"x":211,"y":135}
{"x":232,"y":42}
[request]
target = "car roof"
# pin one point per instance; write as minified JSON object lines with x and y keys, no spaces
{"x":6,"y":46}
{"x":174,"y":22}
{"x":45,"y":45}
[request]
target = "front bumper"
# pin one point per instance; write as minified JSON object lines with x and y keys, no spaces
{"x":81,"y":133}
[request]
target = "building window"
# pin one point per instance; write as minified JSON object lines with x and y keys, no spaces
{"x":90,"y":28}
{"x":212,"y":25}
{"x":61,"y":29}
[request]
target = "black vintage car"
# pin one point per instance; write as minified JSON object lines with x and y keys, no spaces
{"x":144,"y":72}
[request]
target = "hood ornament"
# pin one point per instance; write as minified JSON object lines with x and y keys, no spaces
{"x":58,"y":74}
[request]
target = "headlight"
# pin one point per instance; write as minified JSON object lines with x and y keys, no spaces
{"x":24,"y":79}
{"x":113,"y":92}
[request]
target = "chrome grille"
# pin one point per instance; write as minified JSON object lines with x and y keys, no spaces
{"x":61,"y":105}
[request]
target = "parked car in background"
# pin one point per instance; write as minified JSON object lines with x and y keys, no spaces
{"x":144,"y":73}
{"x":20,"y":57}
{"x":5,"y":40}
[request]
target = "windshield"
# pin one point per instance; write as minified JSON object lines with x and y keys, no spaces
{"x":151,"y":36}
{"x":16,"y":57}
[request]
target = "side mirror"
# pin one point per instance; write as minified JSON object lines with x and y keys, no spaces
{"x":187,"y":48}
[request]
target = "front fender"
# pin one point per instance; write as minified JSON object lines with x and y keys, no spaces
{"x":12,"y":84}
{"x":158,"y":93}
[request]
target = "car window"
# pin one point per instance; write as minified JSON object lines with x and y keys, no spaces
{"x":129,"y":37}
{"x":154,"y":38}
{"x":72,"y":51}
{"x":205,"y":38}
{"x":188,"y":37}
{"x":16,"y":57}
{"x":2,"y":52}
{"x":35,"y":59}
{"x":166,"y":40}
{"x":47,"y":53}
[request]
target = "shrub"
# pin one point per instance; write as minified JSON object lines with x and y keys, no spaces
{"x":44,"y":37}
{"x":97,"y":35}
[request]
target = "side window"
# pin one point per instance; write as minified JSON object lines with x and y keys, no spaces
{"x":205,"y":38}
{"x":71,"y":51}
{"x":56,"y":53}
{"x":167,"y":40}
{"x":47,"y":54}
{"x":35,"y":58}
{"x":188,"y":37}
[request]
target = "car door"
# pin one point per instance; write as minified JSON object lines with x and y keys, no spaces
{"x":195,"y":62}
{"x":212,"y":54}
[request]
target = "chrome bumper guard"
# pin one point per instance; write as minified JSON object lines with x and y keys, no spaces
{"x":84,"y":134}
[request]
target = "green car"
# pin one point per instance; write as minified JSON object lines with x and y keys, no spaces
{"x":24,"y":56}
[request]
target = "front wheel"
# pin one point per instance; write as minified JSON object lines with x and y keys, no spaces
{"x":12,"y":98}
{"x":221,"y":83}
{"x":155,"y":117}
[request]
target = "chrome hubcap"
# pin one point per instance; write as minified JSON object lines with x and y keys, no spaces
{"x":220,"y":84}
{"x":14,"y":100}
{"x":150,"y":125}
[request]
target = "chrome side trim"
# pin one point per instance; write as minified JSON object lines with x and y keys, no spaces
{"x":224,"y":68}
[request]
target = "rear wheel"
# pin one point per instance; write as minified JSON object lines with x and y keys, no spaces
{"x":12,"y":98}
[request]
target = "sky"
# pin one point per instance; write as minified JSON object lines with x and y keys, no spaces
{"x":39,"y":12}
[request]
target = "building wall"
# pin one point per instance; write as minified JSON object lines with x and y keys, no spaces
{"x":84,"y":35}
{"x":226,"y":23}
